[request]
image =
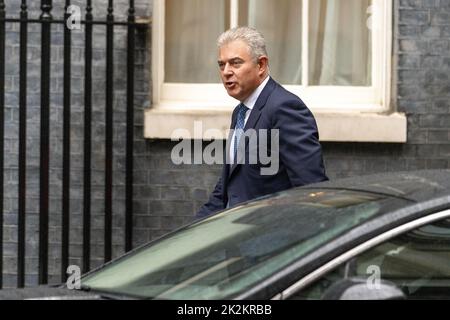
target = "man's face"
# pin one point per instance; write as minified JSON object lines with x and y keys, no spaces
{"x":239,"y":72}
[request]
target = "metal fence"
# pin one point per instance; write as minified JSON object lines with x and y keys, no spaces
{"x":45,"y":20}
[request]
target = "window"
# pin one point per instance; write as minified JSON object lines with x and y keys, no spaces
{"x":327,"y":48}
{"x":334,"y":54}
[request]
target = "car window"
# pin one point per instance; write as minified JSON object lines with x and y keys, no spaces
{"x":227,"y":253}
{"x":417,"y":262}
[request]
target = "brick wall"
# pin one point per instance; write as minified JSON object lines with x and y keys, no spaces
{"x":167,"y":196}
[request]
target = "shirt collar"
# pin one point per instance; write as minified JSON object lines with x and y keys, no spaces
{"x":251,"y":100}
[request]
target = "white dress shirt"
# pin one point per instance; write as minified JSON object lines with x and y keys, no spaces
{"x":249,"y":103}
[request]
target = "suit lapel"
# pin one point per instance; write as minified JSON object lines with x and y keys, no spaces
{"x":254,"y":115}
{"x":260,"y":104}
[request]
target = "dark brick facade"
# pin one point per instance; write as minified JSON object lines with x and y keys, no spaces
{"x":167,"y":196}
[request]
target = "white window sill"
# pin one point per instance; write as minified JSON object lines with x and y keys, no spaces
{"x":348,"y":126}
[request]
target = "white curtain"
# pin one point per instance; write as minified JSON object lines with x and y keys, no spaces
{"x":191,"y":31}
{"x":340,"y":50}
{"x":280,"y":23}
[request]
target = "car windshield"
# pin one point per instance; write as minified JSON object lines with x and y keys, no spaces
{"x":224,"y":255}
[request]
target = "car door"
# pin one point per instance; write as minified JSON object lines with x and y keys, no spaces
{"x":416,"y":261}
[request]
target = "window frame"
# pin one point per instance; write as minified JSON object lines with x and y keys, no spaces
{"x":374,"y":98}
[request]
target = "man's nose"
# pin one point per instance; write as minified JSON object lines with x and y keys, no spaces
{"x":227,"y":69}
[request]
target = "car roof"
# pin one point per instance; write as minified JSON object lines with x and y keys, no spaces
{"x":420,"y":185}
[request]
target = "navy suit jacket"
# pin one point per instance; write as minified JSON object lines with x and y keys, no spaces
{"x":300,"y":153}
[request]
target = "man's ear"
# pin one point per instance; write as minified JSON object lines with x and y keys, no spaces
{"x":263,"y":63}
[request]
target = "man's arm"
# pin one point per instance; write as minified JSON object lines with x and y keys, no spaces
{"x":215,"y":203}
{"x":300,"y":150}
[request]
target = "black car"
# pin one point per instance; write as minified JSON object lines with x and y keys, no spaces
{"x":384,"y":236}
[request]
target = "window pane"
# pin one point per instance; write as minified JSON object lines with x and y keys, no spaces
{"x":340,"y":49}
{"x":191,"y":31}
{"x":280,"y":23}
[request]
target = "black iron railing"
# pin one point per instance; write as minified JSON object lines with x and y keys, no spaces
{"x":2,"y":127}
{"x":45,"y":21}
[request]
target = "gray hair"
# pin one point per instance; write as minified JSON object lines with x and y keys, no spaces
{"x":252,"y":37}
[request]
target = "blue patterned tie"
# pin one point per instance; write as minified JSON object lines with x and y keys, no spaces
{"x":240,"y":123}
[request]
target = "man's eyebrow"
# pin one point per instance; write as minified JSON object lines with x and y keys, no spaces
{"x":235,"y":59}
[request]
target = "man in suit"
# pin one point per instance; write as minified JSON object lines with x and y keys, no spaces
{"x":265,"y":107}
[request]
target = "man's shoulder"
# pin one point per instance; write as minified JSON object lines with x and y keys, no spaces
{"x":280,"y":96}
